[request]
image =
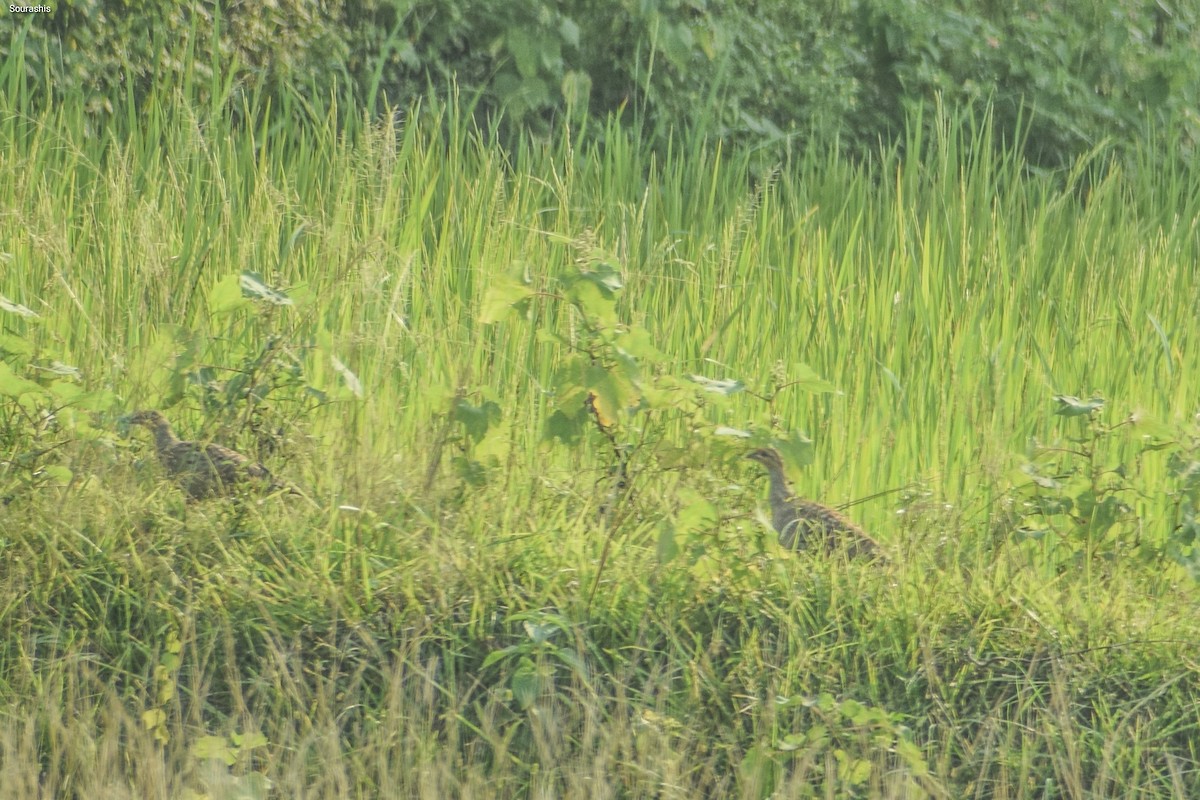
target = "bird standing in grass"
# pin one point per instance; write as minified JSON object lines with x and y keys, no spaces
{"x":800,"y":523}
{"x":202,"y":470}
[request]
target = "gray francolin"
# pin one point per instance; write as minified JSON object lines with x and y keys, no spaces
{"x":201,"y":469}
{"x":801,"y":524}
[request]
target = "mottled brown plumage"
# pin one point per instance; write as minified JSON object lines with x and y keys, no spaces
{"x":801,"y":523}
{"x":202,"y":470}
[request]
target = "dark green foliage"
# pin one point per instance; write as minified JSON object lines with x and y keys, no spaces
{"x":773,"y":74}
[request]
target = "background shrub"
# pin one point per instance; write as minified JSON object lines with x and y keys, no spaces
{"x":769,"y":74}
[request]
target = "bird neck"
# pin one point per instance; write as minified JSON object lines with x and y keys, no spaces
{"x":164,"y":437}
{"x":780,"y":492}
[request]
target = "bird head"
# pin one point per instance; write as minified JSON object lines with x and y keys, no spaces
{"x":767,"y":456}
{"x":149,"y":418}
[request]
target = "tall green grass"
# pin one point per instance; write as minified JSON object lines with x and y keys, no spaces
{"x":945,"y":291}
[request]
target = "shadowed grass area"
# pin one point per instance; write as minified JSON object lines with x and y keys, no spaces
{"x":467,"y":606}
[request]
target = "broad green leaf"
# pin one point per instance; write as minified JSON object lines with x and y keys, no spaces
{"x":606,"y":394}
{"x":523,"y":46}
{"x":496,"y":444}
{"x":576,"y":89}
{"x":854,"y":771}
{"x":758,"y":770}
{"x":911,"y":755}
{"x":499,"y":655}
{"x":213,"y":747}
{"x":526,"y":684}
{"x":667,"y":548}
{"x":604,"y":275}
{"x":470,"y":470}
{"x":567,"y":429}
{"x":476,"y":419}
{"x":249,"y":740}
{"x":796,"y":449}
{"x":13,"y":385}
{"x":568,"y":656}
{"x":501,"y":297}
{"x":594,"y":302}
{"x":539,"y":633}
{"x":227,"y":296}
{"x":696,"y":515}
{"x":60,"y":475}
{"x":569,"y":31}
{"x":16,"y":345}
{"x":808,"y":380}
{"x":638,"y":343}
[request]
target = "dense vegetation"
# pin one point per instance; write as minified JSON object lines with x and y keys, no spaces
{"x":775,"y":75}
{"x":514,"y":386}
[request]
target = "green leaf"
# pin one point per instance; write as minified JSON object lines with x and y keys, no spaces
{"x":15,"y":345}
{"x":638,"y":343}
{"x":226,"y":296}
{"x":499,"y":655}
{"x":249,"y":740}
{"x":576,"y":88}
{"x":607,"y":397}
{"x":569,"y":31}
{"x":60,"y":475}
{"x":523,"y":46}
{"x":526,"y":683}
{"x":476,"y":419}
{"x":1106,"y":513}
{"x":854,"y":771}
{"x":796,"y":450}
{"x":911,"y":755}
{"x":605,"y":276}
{"x":696,"y":515}
{"x":253,"y":286}
{"x":539,"y":632}
{"x":594,"y":302}
{"x":154,"y":718}
{"x":1071,"y":406}
{"x":13,"y":385}
{"x":470,"y":470}
{"x":810,"y":381}
{"x":667,"y":548}
{"x":759,"y":770}
{"x":213,"y":747}
{"x":501,"y":297}
{"x":495,"y":445}
{"x":568,"y":656}
{"x":567,"y":429}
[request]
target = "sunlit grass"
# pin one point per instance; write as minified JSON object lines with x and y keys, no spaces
{"x":946,"y":293}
